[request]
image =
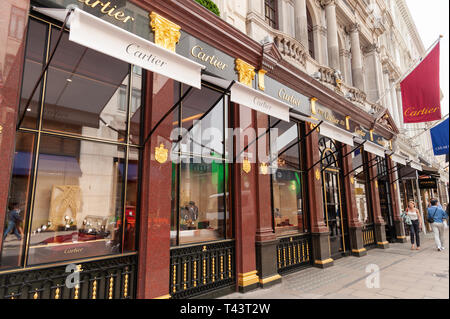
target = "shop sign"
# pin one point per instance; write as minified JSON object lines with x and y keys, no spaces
{"x":427,"y":183}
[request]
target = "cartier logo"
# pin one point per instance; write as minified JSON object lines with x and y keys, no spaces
{"x":199,"y":53}
{"x":288,"y":98}
{"x":73,"y":250}
{"x":107,"y":8}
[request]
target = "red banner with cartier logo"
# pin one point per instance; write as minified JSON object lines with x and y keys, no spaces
{"x":421,"y":93}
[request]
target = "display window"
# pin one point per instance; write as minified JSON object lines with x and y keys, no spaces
{"x":75,"y":178}
{"x":200,"y":174}
{"x":288,"y":180}
{"x":362,"y":189}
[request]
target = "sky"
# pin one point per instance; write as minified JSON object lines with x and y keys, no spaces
{"x":432,"y":19}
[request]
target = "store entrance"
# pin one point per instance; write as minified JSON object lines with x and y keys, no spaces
{"x":334,"y":216}
{"x":385,"y":199}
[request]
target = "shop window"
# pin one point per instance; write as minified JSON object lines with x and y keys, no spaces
{"x":270,"y":11}
{"x":288,"y":181}
{"x":74,"y":185}
{"x":362,"y":186}
{"x":200,"y":198}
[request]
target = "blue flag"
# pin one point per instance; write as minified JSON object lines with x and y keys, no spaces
{"x":439,"y":137}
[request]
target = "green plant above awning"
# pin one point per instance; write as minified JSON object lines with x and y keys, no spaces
{"x":210,"y":5}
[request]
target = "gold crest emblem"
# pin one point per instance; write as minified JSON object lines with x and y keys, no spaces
{"x":376,"y":184}
{"x":317,"y":174}
{"x":246,"y":167}
{"x":352,"y":180}
{"x":264,"y":168}
{"x":161,"y":154}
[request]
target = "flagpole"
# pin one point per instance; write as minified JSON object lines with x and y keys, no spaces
{"x":406,"y":74}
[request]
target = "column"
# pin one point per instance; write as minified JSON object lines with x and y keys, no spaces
{"x":357,"y":64}
{"x":245,"y":205}
{"x":380,"y":229}
{"x":386,"y":92}
{"x":266,"y":240}
{"x":399,"y":106}
{"x":319,"y":230}
{"x":373,"y":74}
{"x":155,"y":214}
{"x":332,"y":36}
{"x":301,"y":23}
{"x":394,"y":104}
{"x":354,"y":225}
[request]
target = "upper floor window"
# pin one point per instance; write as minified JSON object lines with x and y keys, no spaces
{"x":270,"y":10}
{"x":17,"y":23}
{"x":310,"y":35}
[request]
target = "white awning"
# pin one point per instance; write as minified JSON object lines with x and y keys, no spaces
{"x":256,"y":100}
{"x":416,"y":166}
{"x":374,"y":149}
{"x":336,"y":133}
{"x":398,"y":159}
{"x":104,"y":37}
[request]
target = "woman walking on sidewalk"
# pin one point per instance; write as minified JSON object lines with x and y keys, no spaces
{"x":436,"y":216}
{"x":414,"y":220}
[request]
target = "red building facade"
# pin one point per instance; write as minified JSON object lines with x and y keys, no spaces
{"x":89,"y":162}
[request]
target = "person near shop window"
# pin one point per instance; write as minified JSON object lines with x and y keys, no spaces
{"x":438,"y":215}
{"x":14,"y":220}
{"x":413,"y":219}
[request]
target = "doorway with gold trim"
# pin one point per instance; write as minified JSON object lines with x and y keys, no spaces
{"x":332,"y":190}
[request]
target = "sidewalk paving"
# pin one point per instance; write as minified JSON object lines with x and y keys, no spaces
{"x":404,"y":274}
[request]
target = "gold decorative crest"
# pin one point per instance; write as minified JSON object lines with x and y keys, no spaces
{"x":167,"y":33}
{"x":246,"y":72}
{"x":317,"y":174}
{"x":264,"y":168}
{"x":313,"y":105}
{"x":376,"y":184}
{"x":246,"y":167}
{"x":261,"y":84}
{"x":352,"y":180}
{"x":161,"y":154}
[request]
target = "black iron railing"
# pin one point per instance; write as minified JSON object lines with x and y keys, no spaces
{"x":293,"y":253}
{"x":103,"y":279}
{"x":196,"y":270}
{"x":368,"y":233}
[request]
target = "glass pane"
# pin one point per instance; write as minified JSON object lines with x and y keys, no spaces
{"x":201,"y":203}
{"x":78,"y":200}
{"x":287,"y":145}
{"x":13,"y":233}
{"x":287,"y":197}
{"x":34,"y":59}
{"x":361,"y":188}
{"x":131,"y":203}
{"x":85,"y":92}
{"x":202,"y":117}
{"x":136,"y":106}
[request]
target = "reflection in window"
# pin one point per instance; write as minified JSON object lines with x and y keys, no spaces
{"x":287,"y":181}
{"x":199,"y":181}
{"x":17,"y":20}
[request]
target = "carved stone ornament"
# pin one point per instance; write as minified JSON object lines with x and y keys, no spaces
{"x":246,"y":72}
{"x":161,"y":154}
{"x":246,"y":166}
{"x":167,"y":33}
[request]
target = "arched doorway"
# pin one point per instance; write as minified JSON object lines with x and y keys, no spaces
{"x":332,"y":191}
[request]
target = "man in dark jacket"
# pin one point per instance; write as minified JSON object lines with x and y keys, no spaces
{"x":14,"y":219}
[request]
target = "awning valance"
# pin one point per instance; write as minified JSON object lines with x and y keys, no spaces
{"x":99,"y":35}
{"x":398,"y":159}
{"x":374,"y":149}
{"x":254,"y":99}
{"x":415,"y":165}
{"x":336,"y":133}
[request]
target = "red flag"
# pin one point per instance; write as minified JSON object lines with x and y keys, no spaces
{"x":421,"y":93}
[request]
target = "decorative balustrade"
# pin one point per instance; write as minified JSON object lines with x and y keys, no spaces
{"x":290,"y":47}
{"x":104,"y":279}
{"x":199,"y":269}
{"x":293,"y":253}
{"x":368,"y":232}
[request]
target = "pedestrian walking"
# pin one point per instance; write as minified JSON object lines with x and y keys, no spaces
{"x":14,"y":220}
{"x":436,"y":216}
{"x":413,"y":219}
